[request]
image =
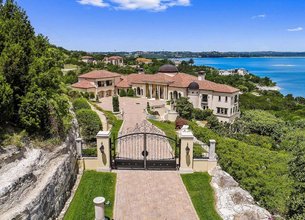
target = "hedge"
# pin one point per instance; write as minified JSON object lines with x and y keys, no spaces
{"x":90,"y":124}
{"x":80,"y":103}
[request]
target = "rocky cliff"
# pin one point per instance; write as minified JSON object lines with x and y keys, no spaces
{"x":232,"y":202}
{"x":35,"y":183}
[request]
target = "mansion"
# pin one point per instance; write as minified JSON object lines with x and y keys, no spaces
{"x":168,"y":83}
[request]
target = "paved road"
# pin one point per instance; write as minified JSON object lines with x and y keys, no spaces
{"x":152,"y":195}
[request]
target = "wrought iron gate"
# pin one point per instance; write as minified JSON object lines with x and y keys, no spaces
{"x":144,"y":147}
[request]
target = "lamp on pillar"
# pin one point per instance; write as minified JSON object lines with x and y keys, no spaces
{"x":187,"y":149}
{"x":102,"y":149}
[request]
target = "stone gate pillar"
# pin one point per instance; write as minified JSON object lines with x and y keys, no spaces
{"x":103,"y":151}
{"x":186,"y":150}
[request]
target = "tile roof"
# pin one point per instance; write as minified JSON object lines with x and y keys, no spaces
{"x":99,"y":74}
{"x":134,"y":78}
{"x":83,"y":84}
{"x":180,"y":80}
{"x":115,"y":58}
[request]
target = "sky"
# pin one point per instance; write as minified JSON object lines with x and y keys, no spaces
{"x":172,"y":25}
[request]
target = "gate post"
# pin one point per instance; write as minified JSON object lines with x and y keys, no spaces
{"x":103,"y":151}
{"x":186,"y":150}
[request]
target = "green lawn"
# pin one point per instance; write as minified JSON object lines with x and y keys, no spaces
{"x":167,"y":127}
{"x":170,"y":131}
{"x":92,"y":184}
{"x":202,"y":195}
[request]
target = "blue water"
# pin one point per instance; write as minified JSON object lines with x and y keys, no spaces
{"x":287,"y":72}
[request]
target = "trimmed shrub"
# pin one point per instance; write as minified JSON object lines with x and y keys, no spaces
{"x":89,"y":152}
{"x":85,"y":94}
{"x":130,"y":93}
{"x":180,"y":122}
{"x":122,"y":92}
{"x":148,"y":106}
{"x":184,"y":107}
{"x":80,"y":103}
{"x":74,"y":94}
{"x":201,"y":115}
{"x":90,"y":124}
{"x":91,"y":95}
{"x":115,"y":104}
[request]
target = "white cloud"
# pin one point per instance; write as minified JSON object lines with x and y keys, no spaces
{"x":295,"y":29}
{"x":151,"y":5}
{"x":97,"y":3}
{"x":261,"y":16}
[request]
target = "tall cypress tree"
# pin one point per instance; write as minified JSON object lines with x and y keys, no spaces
{"x":16,"y":37}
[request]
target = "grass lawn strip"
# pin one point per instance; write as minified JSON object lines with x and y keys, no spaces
{"x":93,"y":184}
{"x":202,"y":195}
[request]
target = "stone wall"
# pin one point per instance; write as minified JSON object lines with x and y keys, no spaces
{"x":37,"y":184}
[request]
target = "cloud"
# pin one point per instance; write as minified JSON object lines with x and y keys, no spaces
{"x":295,"y":29}
{"x":97,"y":3}
{"x":151,"y":5}
{"x":261,"y":16}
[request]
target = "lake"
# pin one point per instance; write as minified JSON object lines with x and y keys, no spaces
{"x":287,"y":72}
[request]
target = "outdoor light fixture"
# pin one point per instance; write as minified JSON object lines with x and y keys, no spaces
{"x":187,"y":149}
{"x":102,"y":148}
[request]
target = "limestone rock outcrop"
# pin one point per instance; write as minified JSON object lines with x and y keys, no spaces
{"x":35,"y":183}
{"x":232,"y":202}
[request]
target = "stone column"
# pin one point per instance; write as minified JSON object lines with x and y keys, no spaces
{"x":186,"y":150}
{"x":99,"y":208}
{"x":212,"y":155}
{"x":79,"y":146}
{"x":103,"y":151}
{"x":150,"y":90}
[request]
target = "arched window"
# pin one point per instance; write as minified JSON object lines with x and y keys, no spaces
{"x":138,"y":91}
{"x":175,"y":95}
{"x":171,"y":95}
{"x":179,"y":95}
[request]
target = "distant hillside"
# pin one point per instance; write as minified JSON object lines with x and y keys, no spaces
{"x":211,"y":54}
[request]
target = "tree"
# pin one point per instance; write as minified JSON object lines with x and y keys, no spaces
{"x":122,"y":93}
{"x":184,"y":108}
{"x":130,"y":92}
{"x":31,"y":89}
{"x":17,"y":35}
{"x":34,"y":111}
{"x":115,"y":104}
{"x":6,"y":98}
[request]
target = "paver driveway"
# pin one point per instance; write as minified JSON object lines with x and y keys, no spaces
{"x":152,"y":195}
{"x":147,"y":195}
{"x":133,"y":109}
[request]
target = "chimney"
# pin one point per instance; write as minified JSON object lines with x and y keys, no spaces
{"x":141,"y":71}
{"x":201,"y":75}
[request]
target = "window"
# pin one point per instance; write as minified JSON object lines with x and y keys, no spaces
{"x":235,"y":98}
{"x":222,"y":111}
{"x":204,"y":98}
{"x":205,"y":107}
{"x":99,"y":84}
{"x":219,"y":98}
{"x":226,"y":98}
{"x":109,"y":83}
